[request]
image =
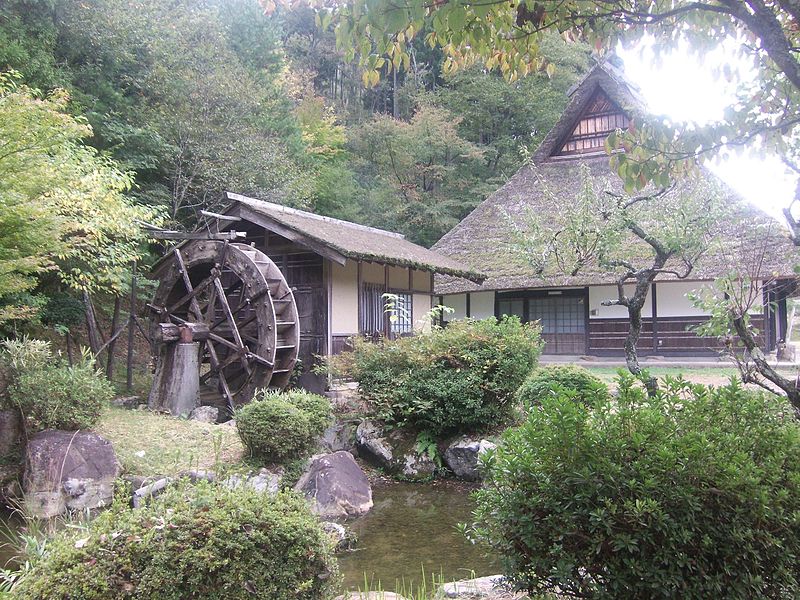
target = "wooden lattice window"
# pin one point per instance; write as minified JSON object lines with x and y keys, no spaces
{"x":601,"y":117}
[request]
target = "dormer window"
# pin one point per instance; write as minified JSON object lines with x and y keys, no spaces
{"x":600,"y":118}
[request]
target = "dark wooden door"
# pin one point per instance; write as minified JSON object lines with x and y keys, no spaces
{"x":304,"y":274}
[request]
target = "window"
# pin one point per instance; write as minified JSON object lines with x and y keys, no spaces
{"x":400,"y":308}
{"x":378,"y":309}
{"x":372,"y":315}
{"x":511,"y":307}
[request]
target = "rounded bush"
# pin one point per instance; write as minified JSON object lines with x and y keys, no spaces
{"x":577,"y":381}
{"x":457,"y":379}
{"x":282,"y":426}
{"x":693,"y":494}
{"x":59,"y":396}
{"x":205,"y":542}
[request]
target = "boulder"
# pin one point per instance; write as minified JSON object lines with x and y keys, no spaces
{"x":10,"y":431}
{"x":129,"y":402}
{"x":418,"y":466}
{"x":370,"y":596}
{"x":461,"y":457}
{"x":483,"y":588}
{"x":149,"y":491}
{"x":67,"y":470}
{"x":265,"y":481}
{"x":339,"y":436}
{"x":342,"y":538}
{"x":373,"y":445}
{"x":395,"y":452}
{"x":336,"y":486}
{"x":204,"y":414}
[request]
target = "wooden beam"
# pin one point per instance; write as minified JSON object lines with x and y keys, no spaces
{"x":170,"y":332}
{"x":219,"y":217}
{"x":654,"y":310}
{"x":360,"y":292}
{"x":196,"y":235}
{"x":468,"y":308}
{"x":386,"y":322}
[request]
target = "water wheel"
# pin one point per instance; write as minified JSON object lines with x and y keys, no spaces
{"x":243,"y":300}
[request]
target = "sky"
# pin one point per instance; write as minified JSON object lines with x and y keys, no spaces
{"x":685,"y":89}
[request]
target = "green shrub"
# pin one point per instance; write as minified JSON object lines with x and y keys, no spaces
{"x":693,"y":494}
{"x":192,"y":542}
{"x":49,"y":393}
{"x":546,"y":381}
{"x":282,"y":426}
{"x":456,"y":379}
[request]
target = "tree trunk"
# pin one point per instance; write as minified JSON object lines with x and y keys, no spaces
{"x":113,"y":342}
{"x":762,"y":364}
{"x":91,"y":325}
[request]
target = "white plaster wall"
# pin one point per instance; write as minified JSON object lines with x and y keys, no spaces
{"x":421,"y":305}
{"x":481,"y":305}
{"x":600,"y":293}
{"x":422,"y":281}
{"x":458,"y":302}
{"x":398,"y":278}
{"x":673,"y":301}
{"x":372,"y":273}
{"x":344,"y":298}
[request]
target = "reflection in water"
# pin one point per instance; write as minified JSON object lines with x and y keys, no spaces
{"x":413,"y":527}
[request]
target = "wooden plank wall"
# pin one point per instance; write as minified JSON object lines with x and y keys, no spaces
{"x":674,"y":333}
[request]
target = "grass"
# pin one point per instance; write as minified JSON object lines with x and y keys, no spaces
{"x":150,"y":444}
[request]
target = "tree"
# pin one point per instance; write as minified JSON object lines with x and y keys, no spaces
{"x":62,"y":205}
{"x":738,"y":295}
{"x":425,"y":172}
{"x":507,"y":36}
{"x":638,"y":238}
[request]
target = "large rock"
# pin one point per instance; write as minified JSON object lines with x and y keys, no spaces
{"x":336,"y":486}
{"x":266,"y":481}
{"x":204,"y":414}
{"x":339,"y":436}
{"x":373,"y":445}
{"x":10,"y":431}
{"x":370,"y":596}
{"x":67,"y":470}
{"x":462,"y":455}
{"x":395,"y":452}
{"x":482,"y":588}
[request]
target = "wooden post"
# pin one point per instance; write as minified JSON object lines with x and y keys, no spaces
{"x":360,"y":308}
{"x":386,"y":322}
{"x":654,"y":317}
{"x":131,"y":332}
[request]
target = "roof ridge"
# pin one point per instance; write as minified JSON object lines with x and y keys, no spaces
{"x":304,"y":213}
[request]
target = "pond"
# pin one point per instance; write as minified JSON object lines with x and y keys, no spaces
{"x":413,"y":527}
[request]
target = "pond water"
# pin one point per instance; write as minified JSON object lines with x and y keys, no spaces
{"x":413,"y":527}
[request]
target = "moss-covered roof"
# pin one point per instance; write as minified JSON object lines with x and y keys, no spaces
{"x":355,"y":241}
{"x":548,"y":187}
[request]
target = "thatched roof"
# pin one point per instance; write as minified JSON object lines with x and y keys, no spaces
{"x":484,"y":240}
{"x":341,"y":240}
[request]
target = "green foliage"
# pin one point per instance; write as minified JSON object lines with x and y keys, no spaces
{"x":554,"y":380}
{"x":426,"y":169}
{"x":693,"y":493}
{"x":62,"y":205}
{"x":279,"y":427}
{"x":509,"y":36}
{"x":51,"y":394}
{"x":457,"y":379}
{"x":192,"y":542}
